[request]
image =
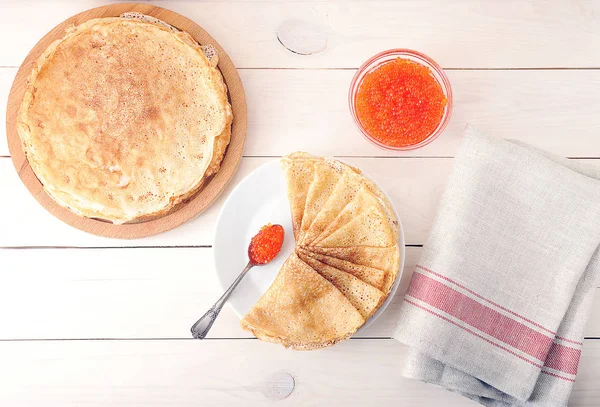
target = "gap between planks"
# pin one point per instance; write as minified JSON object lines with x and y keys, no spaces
{"x":420,"y":157}
{"x":162,"y":339}
{"x":370,"y":338}
{"x":126,"y":247}
{"x":590,"y":68}
{"x":106,"y":247}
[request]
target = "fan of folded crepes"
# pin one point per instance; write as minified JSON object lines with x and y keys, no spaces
{"x":302,"y":310}
{"x":346,"y":255}
{"x":123,"y":118}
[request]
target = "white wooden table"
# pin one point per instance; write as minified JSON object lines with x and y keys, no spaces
{"x":90,"y":321}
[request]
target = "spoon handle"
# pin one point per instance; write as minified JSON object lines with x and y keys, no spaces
{"x":202,"y":326}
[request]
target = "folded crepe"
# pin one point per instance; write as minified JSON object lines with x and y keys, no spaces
{"x":386,"y":259}
{"x":364,"y":297}
{"x":327,"y":174}
{"x":370,"y":228}
{"x":369,"y":275}
{"x":299,"y":173}
{"x":362,"y":201}
{"x":345,"y":190}
{"x":302,"y":310}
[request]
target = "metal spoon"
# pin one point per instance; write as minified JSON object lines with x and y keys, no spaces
{"x":202,"y":326}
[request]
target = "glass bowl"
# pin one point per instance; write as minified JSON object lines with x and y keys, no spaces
{"x":389,"y":55}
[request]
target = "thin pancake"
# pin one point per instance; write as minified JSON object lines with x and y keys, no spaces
{"x":302,"y":310}
{"x":211,"y":53}
{"x":386,"y":205}
{"x":364,"y":297}
{"x":345,"y":190}
{"x":370,"y":228}
{"x":327,"y":176}
{"x":382,"y":258}
{"x":124,"y":119}
{"x":350,"y":184}
{"x":299,"y":173}
{"x":209,"y":50}
{"x":369,"y":275}
{"x":361,"y":202}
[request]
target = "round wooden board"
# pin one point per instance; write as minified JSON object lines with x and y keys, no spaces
{"x":182,"y":212}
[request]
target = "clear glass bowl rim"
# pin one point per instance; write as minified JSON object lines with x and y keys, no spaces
{"x":372,"y":63}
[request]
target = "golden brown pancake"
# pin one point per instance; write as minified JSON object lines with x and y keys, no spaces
{"x":382,"y":258}
{"x":302,"y":310}
{"x":299,"y":172}
{"x":327,"y":173}
{"x":386,"y":206}
{"x":365,"y":298}
{"x":369,"y":275}
{"x":344,"y":191}
{"x":362,"y":201}
{"x":370,"y":228}
{"x":123,"y":119}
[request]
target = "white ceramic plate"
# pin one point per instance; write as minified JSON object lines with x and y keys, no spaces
{"x":261,"y":198}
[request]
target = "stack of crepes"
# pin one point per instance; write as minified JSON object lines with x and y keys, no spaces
{"x":345,"y":261}
{"x":124,"y":118}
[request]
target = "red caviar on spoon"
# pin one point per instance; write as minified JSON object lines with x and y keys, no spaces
{"x":263,"y":248}
{"x":266,"y":244}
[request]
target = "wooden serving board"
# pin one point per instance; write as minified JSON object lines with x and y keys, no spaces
{"x":182,"y":212}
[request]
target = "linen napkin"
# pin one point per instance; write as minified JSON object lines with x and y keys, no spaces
{"x":497,"y":305}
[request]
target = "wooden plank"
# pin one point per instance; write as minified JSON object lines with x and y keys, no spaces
{"x":110,"y":293}
{"x":459,"y":34}
{"x":134,"y":293}
{"x":31,"y":225}
{"x":414,"y":186}
{"x":220,"y":372}
{"x":291,"y":110}
{"x":553,"y":110}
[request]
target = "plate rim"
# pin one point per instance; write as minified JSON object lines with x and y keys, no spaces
{"x":401,"y":243}
{"x":182,"y":212}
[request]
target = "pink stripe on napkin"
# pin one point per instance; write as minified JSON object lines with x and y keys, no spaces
{"x":479,"y":316}
{"x":493,"y":323}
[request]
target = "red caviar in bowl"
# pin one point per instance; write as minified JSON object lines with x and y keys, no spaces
{"x":400,"y":103}
{"x":266,"y":244}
